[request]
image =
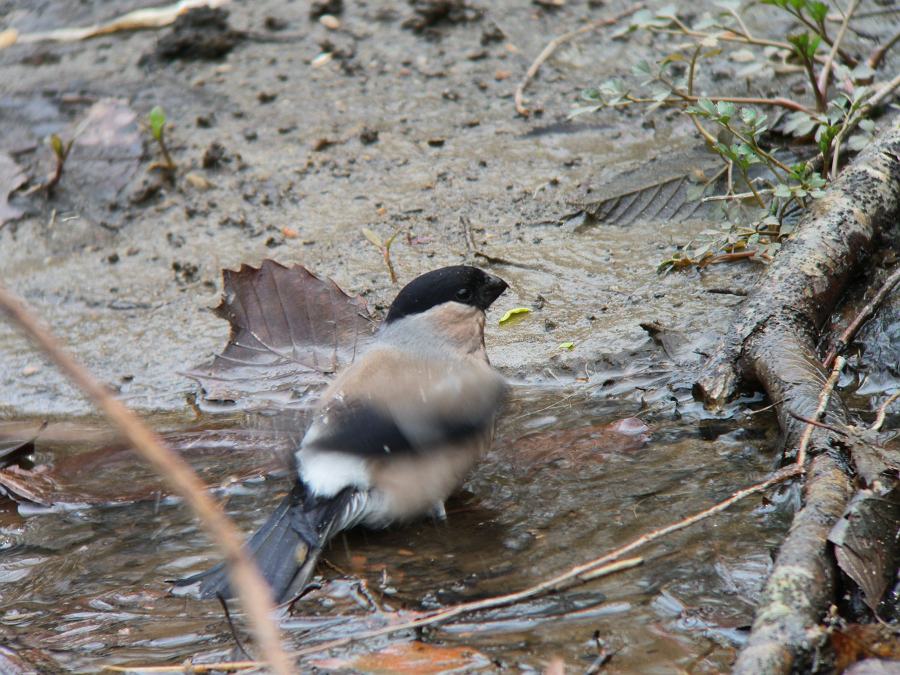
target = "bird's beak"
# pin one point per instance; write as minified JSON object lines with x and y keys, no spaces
{"x":491,"y":290}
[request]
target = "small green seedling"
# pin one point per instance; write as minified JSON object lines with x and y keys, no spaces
{"x":384,"y":247}
{"x":61,"y":152}
{"x":157,"y":120}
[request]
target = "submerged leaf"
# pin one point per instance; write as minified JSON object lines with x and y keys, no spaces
{"x":581,"y":444}
{"x":411,"y":658}
{"x":114,"y":474}
{"x":290,"y":331}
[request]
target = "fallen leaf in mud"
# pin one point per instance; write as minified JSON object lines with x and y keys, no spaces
{"x":116,"y":475}
{"x":290,"y":331}
{"x":860,"y":641}
{"x":411,"y":658}
{"x":106,"y":154}
{"x":12,"y":177}
{"x":679,"y":346}
{"x":864,"y":540}
{"x":670,"y":199}
{"x":582,"y":443}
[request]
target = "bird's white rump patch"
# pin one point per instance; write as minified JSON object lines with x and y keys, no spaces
{"x":327,"y":473}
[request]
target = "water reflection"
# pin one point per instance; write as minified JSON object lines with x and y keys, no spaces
{"x":86,"y":585}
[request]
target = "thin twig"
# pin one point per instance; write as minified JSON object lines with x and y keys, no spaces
{"x":602,"y":566}
{"x":606,"y":564}
{"x":878,"y":55}
{"x":824,"y":397}
{"x":555,"y":44}
{"x":882,"y":93}
{"x":189,"y":667}
{"x":882,"y":411}
{"x":864,"y":314}
{"x":253,"y":591}
{"x":816,"y":423}
{"x":835,"y":47}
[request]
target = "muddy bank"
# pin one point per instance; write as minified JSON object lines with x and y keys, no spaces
{"x":398,"y":130}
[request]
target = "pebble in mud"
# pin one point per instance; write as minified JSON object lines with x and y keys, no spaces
{"x":518,"y":541}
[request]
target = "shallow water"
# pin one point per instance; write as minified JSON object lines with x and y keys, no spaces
{"x":88,"y":585}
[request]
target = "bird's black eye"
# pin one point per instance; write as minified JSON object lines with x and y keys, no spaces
{"x":464,"y":294}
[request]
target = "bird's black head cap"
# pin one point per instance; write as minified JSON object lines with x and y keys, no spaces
{"x":459,"y":283}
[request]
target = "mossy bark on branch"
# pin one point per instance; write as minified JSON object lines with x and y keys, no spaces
{"x":772,"y":342}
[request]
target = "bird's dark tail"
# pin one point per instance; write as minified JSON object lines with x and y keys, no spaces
{"x":287,"y":546}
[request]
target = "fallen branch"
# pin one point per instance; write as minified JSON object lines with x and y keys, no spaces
{"x":772,"y":342}
{"x":556,"y":43}
{"x":864,"y":314}
{"x":602,"y":566}
{"x":254,"y":593}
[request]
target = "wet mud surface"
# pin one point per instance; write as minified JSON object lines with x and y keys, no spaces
{"x":295,"y":137}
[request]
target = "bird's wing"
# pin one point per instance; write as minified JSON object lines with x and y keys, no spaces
{"x":389,"y":402}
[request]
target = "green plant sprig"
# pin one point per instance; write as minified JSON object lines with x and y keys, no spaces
{"x":157,"y":119}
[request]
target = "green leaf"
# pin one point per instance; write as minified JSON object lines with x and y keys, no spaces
{"x":56,"y":145}
{"x":725,"y":110}
{"x":568,"y":346}
{"x":782,"y":191}
{"x":373,"y":237}
{"x":579,"y":110}
{"x":157,"y":122}
{"x":817,"y":11}
{"x":643,"y":69}
{"x":506,"y":318}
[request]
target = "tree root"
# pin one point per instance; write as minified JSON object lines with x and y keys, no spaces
{"x":772,"y":342}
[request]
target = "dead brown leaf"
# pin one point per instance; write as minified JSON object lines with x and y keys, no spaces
{"x":290,"y":331}
{"x":861,"y":641}
{"x":411,"y":658}
{"x":106,"y":154}
{"x":864,"y":540}
{"x":12,"y":177}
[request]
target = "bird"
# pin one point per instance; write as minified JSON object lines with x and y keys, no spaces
{"x":392,"y":436}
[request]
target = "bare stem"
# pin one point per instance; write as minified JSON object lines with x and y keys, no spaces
{"x":878,"y":55}
{"x":253,"y":591}
{"x":822,"y":85}
{"x":555,"y":44}
{"x":168,"y":164}
{"x":824,"y":397}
